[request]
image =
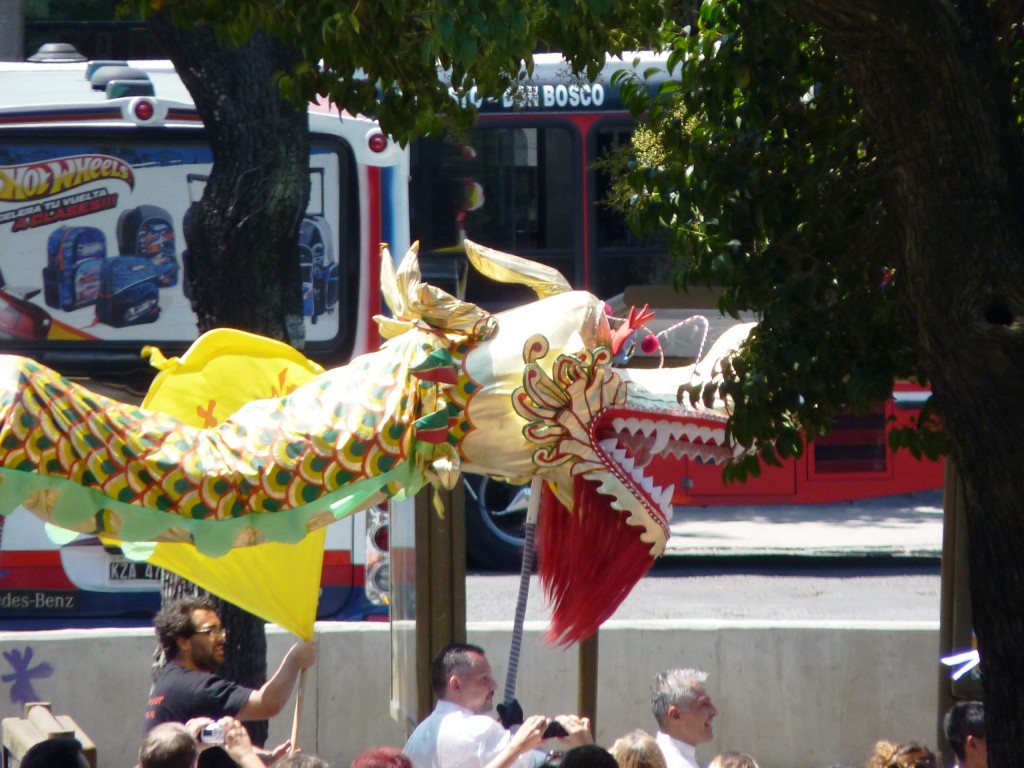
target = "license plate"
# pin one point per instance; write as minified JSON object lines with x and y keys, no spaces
{"x":129,"y":571}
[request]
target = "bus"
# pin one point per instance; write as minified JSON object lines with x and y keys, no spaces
{"x":99,"y":165}
{"x":524,"y":180}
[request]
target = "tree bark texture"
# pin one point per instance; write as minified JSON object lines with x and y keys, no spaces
{"x":938,"y":102}
{"x":242,"y":236}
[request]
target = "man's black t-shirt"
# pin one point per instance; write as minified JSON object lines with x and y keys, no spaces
{"x":181,"y":694}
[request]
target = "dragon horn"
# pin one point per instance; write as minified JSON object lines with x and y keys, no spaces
{"x":506,"y":268}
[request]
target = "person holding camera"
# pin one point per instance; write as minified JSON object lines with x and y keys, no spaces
{"x":193,"y":641}
{"x":460,"y":733}
{"x":178,"y":745}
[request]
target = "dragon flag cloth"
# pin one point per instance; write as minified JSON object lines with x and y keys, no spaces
{"x":530,"y":391}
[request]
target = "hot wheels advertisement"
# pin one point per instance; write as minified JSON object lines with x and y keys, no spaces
{"x":91,"y":245}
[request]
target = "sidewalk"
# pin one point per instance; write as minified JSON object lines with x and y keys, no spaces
{"x":908,"y":525}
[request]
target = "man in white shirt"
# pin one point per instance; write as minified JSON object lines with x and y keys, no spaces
{"x":460,"y":733}
{"x":683,"y":710}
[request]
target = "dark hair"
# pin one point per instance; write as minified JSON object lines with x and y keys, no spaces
{"x":302,"y":760}
{"x":455,"y":658}
{"x":588,"y":756}
{"x":168,"y":745}
{"x":382,"y":757}
{"x":965,"y":718}
{"x":58,"y":752}
{"x":174,"y":620}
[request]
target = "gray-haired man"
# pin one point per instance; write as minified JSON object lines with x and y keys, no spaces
{"x":683,"y":710}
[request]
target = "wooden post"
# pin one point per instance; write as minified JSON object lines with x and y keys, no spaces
{"x":955,"y":623}
{"x":586,"y":701}
{"x":440,"y":583}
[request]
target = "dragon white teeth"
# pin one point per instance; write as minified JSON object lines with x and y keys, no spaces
{"x":661,"y":436}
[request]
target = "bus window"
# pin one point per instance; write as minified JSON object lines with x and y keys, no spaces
{"x":510,"y":187}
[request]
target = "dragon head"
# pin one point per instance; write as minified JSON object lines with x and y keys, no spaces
{"x":541,"y":395}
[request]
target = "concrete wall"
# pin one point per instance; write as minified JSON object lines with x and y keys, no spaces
{"x":793,"y":694}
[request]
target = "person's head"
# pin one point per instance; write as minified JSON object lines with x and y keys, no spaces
{"x":637,"y":749}
{"x":382,"y":757}
{"x":588,"y":756}
{"x":58,"y":752}
{"x":190,"y":632}
{"x":964,"y":726}
{"x":168,"y":745}
{"x":461,"y":674}
{"x":302,"y":760}
{"x":909,"y":754}
{"x":733,"y":760}
{"x":681,"y":705}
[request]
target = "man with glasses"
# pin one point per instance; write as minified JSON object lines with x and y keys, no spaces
{"x":193,"y":639}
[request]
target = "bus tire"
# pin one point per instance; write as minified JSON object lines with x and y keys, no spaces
{"x":495,"y":520}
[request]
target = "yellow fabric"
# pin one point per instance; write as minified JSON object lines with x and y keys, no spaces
{"x":221,"y":372}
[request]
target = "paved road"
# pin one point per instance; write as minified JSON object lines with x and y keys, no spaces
{"x":902,"y":525}
{"x":870,"y":560}
{"x":858,"y":589}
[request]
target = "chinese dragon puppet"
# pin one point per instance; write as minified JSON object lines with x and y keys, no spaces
{"x":531,"y":391}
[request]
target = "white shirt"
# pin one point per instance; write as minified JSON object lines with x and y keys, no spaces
{"x":678,"y":754}
{"x":456,"y":737}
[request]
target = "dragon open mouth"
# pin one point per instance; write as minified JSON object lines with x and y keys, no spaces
{"x":629,"y":440}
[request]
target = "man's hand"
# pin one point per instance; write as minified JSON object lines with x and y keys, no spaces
{"x":303,"y":654}
{"x":529,"y":735}
{"x":195,"y":727}
{"x":281,"y":750}
{"x":238,"y":744}
{"x":577,"y":730}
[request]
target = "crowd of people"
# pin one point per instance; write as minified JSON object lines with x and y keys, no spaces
{"x":193,"y":718}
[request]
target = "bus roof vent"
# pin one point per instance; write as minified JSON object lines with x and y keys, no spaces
{"x":92,"y":66}
{"x":117,"y":89}
{"x":56,"y":53}
{"x":104,"y":75}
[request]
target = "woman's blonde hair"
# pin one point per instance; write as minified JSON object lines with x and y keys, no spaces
{"x":733,"y":760}
{"x":637,"y":749}
{"x":910,"y":754}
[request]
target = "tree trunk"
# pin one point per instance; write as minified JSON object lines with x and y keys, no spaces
{"x":242,"y":235}
{"x":928,"y":77}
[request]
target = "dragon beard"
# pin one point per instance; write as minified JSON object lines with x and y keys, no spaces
{"x":584,"y":590}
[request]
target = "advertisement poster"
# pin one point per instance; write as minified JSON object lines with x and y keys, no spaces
{"x":91,"y":244}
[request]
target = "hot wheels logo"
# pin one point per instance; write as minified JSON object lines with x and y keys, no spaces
{"x":34,"y":181}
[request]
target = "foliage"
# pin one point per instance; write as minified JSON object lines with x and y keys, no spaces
{"x":396,"y":46}
{"x":757,"y":161}
{"x":70,"y":10}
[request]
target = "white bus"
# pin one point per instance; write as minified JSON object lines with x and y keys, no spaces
{"x":99,"y":163}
